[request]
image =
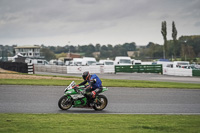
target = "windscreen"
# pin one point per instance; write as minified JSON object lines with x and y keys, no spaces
{"x":125,"y":61}
{"x":91,"y":62}
{"x":78,"y":63}
{"x":109,"y":63}
{"x":183,"y":64}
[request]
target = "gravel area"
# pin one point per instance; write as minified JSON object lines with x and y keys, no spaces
{"x":4,"y":74}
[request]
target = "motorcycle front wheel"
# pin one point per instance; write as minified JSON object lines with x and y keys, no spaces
{"x":65,"y":102}
{"x":102,"y":102}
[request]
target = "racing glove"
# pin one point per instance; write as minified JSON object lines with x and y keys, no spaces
{"x":93,"y":94}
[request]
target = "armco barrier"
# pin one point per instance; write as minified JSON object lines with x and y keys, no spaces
{"x":195,"y":72}
{"x":139,"y":68}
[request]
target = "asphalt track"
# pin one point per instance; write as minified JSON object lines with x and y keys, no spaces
{"x":43,"y":99}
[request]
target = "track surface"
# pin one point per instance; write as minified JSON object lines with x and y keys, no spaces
{"x":43,"y":99}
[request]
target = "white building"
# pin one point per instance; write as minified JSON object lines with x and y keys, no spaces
{"x":28,"y":51}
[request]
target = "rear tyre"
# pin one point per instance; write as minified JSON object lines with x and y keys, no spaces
{"x":102,"y":102}
{"x":65,"y":102}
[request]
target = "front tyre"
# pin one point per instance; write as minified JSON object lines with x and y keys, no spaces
{"x":102,"y":102}
{"x":65,"y":102}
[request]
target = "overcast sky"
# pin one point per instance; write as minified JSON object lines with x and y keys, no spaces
{"x":62,"y":22}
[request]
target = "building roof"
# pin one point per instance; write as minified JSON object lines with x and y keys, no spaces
{"x":28,"y":46}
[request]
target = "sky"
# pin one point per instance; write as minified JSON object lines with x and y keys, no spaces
{"x":83,"y":22}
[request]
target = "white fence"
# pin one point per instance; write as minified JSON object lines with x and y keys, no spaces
{"x":103,"y":69}
{"x":91,"y":69}
{"x":51,"y":68}
{"x":75,"y":69}
{"x":177,"y":71}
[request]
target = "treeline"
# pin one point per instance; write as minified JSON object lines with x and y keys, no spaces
{"x":103,"y":51}
{"x":185,"y":48}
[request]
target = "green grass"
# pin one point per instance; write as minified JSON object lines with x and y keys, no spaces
{"x":48,"y":82}
{"x":148,"y":84}
{"x":54,"y":76}
{"x":106,"y":82}
{"x":59,"y":123}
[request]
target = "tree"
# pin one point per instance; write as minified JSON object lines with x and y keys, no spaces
{"x":48,"y":54}
{"x":151,"y":49}
{"x":72,"y":49}
{"x":174,"y":36}
{"x":170,"y":49}
{"x":90,"y":49}
{"x":164,"y":33}
{"x":97,"y":47}
{"x":110,"y":47}
{"x":118,"y":50}
{"x":193,"y":41}
{"x":129,"y":46}
{"x":104,"y":52}
{"x":187,"y":52}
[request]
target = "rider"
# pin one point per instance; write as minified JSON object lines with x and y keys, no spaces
{"x":95,"y":84}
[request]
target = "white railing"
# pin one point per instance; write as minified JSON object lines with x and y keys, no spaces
{"x":75,"y":69}
{"x":51,"y":68}
{"x":177,"y":71}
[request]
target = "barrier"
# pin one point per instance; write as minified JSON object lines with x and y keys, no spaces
{"x":195,"y":72}
{"x":75,"y":69}
{"x":139,"y":68}
{"x":51,"y":68}
{"x":30,"y":68}
{"x":177,"y":71}
{"x":81,"y":69}
{"x":15,"y":66}
{"x":91,"y":69}
{"x":107,"y":69}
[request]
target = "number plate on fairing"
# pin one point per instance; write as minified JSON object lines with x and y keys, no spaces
{"x":77,"y":96}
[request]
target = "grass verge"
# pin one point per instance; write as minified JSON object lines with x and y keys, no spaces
{"x":58,"y":123}
{"x":106,"y":82}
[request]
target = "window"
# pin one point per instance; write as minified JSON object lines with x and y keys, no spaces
{"x":109,"y":63}
{"x":39,"y":62}
{"x":125,"y":61}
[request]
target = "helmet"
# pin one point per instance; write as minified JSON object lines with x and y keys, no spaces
{"x":86,"y":75}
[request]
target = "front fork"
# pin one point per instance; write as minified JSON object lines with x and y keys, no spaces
{"x":68,"y":100}
{"x":98,"y":101}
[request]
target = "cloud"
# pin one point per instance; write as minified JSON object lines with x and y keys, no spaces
{"x":101,"y":19}
{"x":197,"y":24}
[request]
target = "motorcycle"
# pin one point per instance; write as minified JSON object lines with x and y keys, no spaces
{"x":77,"y":97}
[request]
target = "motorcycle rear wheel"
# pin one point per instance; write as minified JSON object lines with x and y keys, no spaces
{"x":102,"y":102}
{"x":65,"y":102}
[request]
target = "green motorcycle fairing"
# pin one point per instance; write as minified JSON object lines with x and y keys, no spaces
{"x":104,"y":89}
{"x":78,"y":99}
{"x":73,"y":92}
{"x":81,"y":100}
